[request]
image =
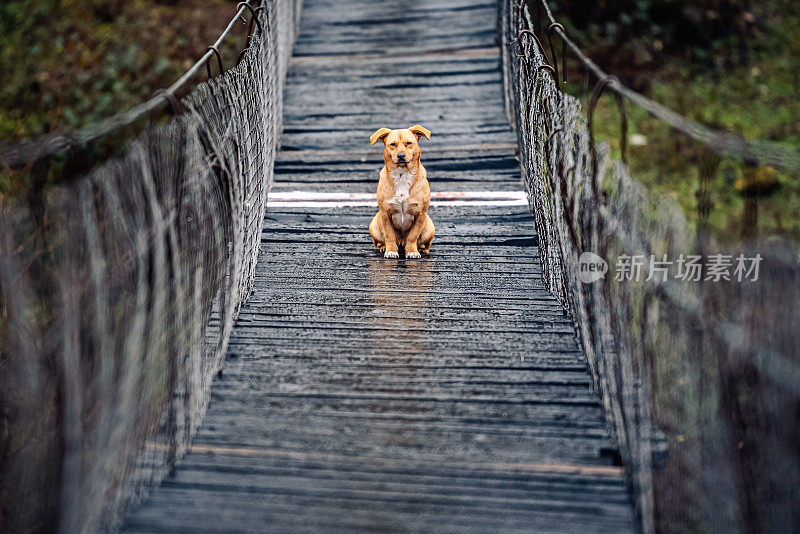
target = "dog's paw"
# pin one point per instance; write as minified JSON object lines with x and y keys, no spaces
{"x":413,"y":255}
{"x":391,"y":254}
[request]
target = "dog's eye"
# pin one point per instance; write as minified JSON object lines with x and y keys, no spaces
{"x":392,"y":145}
{"x":409,"y":143}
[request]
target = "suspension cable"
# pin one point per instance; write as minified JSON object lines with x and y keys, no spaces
{"x":752,"y":151}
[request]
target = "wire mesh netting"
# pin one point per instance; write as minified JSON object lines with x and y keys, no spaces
{"x":119,"y":293}
{"x":708,"y":355}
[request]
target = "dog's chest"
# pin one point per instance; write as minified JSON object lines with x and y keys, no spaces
{"x":402,"y":216}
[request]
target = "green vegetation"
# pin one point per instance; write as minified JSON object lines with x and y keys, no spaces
{"x":67,"y":63}
{"x":731,"y":65}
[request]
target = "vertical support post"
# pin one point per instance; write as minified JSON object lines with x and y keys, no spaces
{"x":707,"y":169}
{"x":748,"y":189}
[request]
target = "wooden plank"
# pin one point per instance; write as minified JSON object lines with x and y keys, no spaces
{"x":447,"y":394}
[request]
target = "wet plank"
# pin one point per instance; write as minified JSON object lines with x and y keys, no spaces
{"x":446,"y":394}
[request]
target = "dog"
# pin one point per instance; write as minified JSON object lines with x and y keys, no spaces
{"x":403,"y":195}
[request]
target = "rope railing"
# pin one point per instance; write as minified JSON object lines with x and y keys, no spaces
{"x":751,"y":151}
{"x":26,"y":151}
{"x":708,"y":358}
{"x":119,"y":289}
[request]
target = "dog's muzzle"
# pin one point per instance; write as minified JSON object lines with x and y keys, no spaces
{"x":401,"y":159}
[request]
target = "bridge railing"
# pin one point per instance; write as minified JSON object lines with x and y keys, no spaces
{"x":119,"y":293}
{"x":708,"y":354}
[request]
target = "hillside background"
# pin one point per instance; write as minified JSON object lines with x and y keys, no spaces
{"x":733,"y":65}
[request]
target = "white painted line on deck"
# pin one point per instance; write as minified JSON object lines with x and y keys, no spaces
{"x":444,"y":54}
{"x":310,"y":199}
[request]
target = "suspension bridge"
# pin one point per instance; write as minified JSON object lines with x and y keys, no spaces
{"x":446,"y":394}
{"x":200,"y":336}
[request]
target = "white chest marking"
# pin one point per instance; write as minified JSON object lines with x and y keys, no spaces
{"x":402,"y":186}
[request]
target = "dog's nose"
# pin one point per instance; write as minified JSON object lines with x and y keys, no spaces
{"x":401,"y":155}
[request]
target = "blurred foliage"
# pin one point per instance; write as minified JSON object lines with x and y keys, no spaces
{"x":637,"y":37}
{"x":733,"y":65}
{"x":68,"y":63}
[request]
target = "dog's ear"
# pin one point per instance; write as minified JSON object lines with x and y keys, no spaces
{"x":379,"y":135}
{"x":419,"y":131}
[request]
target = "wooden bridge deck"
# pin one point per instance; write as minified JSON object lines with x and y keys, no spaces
{"x":446,"y":394}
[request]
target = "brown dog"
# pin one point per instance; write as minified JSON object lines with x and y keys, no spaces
{"x":403,"y":195}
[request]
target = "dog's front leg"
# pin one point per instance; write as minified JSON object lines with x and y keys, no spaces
{"x":413,"y":235}
{"x":390,"y":234}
